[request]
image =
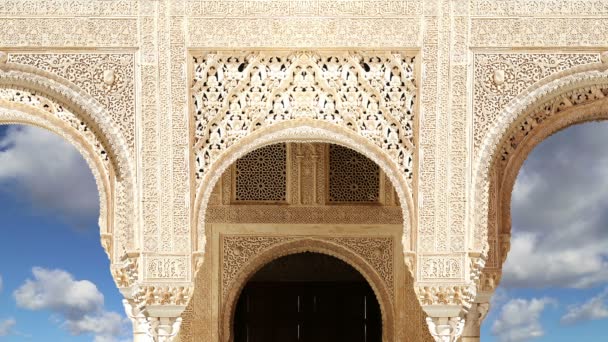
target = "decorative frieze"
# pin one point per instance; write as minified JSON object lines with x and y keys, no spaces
{"x":307,"y":8}
{"x":514,"y":32}
{"x":460,"y":295}
{"x":536,"y":8}
{"x":308,"y":32}
{"x":150,"y":295}
{"x":68,"y":32}
{"x":69,"y":8}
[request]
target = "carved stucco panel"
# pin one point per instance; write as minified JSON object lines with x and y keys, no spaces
{"x":107,"y":77}
{"x":235,"y":94}
{"x":500,"y":77}
{"x":239,"y":250}
{"x":174,"y":268}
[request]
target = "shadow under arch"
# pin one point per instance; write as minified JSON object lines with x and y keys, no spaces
{"x":34,"y":97}
{"x":302,"y":130}
{"x":303,"y":245}
{"x":557,"y":102}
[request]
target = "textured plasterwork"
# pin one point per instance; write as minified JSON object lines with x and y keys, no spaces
{"x":68,"y":8}
{"x":530,"y":8}
{"x":308,"y":33}
{"x":109,"y":78}
{"x":68,"y":32}
{"x":235,"y":94}
{"x":500,"y":77}
{"x":538,"y":32}
{"x":307,"y":8}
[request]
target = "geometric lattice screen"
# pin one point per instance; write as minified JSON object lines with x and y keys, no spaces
{"x":353,"y":178}
{"x":262,"y":175}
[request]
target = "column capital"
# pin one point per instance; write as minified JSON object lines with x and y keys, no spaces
{"x":164,"y":329}
{"x":474,"y":317}
{"x":445,"y":329}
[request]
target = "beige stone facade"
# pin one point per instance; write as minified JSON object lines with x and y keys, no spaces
{"x":162,"y":97}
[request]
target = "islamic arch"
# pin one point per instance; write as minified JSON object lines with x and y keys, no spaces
{"x":226,"y":135}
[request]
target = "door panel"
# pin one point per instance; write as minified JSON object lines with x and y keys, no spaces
{"x":307,"y":312}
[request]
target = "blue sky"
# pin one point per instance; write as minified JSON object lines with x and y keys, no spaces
{"x":554,"y":285}
{"x":56,"y":284}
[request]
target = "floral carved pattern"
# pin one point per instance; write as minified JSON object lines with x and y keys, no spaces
{"x":239,"y":250}
{"x":499,"y":78}
{"x":236,"y":94}
{"x":109,"y":78}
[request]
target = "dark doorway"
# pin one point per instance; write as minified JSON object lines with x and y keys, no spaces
{"x":307,"y":297}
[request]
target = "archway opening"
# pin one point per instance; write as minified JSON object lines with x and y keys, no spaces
{"x":296,"y":191}
{"x":307,"y":297}
{"x":51,"y":197}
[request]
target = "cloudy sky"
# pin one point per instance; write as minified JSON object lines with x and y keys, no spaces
{"x":555,"y":283}
{"x":55,"y":283}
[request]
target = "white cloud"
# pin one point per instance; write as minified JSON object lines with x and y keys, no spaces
{"x":593,"y":309}
{"x":78,"y":304}
{"x":533,"y":264}
{"x":6,"y":326}
{"x":57,"y":291}
{"x":49,"y":172}
{"x":519,"y":320}
{"x":106,"y":326}
{"x":560,"y":211}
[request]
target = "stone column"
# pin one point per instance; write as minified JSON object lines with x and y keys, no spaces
{"x":141,"y":326}
{"x":474,"y":318}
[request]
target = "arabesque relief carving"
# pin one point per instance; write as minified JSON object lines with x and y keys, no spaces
{"x":372,"y":94}
{"x":109,"y":78}
{"x":448,"y":94}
